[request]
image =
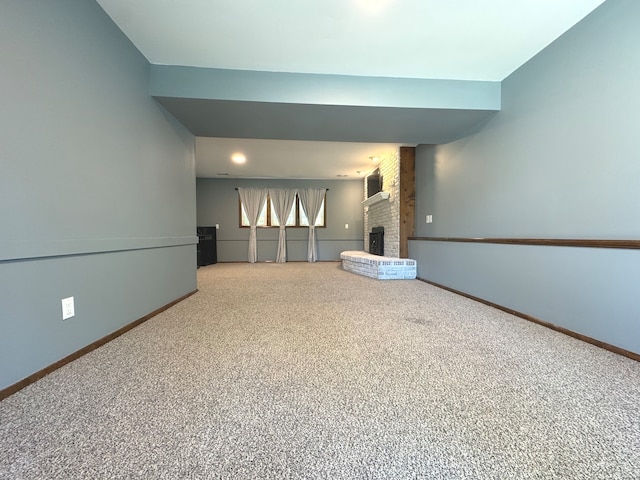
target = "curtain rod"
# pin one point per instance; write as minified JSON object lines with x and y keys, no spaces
{"x":327,"y":189}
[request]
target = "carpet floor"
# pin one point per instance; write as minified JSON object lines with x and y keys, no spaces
{"x":305,"y":371}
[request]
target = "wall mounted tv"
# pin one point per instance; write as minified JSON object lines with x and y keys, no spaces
{"x":374,"y":183}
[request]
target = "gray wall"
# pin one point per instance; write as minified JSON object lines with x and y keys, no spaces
{"x":217,"y":202}
{"x":97,"y":185}
{"x":302,"y":106}
{"x":559,"y":161}
{"x":322,"y":89}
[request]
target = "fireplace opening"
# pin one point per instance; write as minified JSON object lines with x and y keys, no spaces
{"x":376,"y":241}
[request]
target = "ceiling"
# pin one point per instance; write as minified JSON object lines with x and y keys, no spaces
{"x":299,"y":159}
{"x":446,"y":39}
{"x":484,"y":40}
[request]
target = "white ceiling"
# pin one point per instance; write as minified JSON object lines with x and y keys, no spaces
{"x":288,"y":158}
{"x":437,"y":39}
{"x":446,"y":39}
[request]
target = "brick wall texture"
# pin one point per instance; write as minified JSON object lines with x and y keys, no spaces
{"x":386,"y":213}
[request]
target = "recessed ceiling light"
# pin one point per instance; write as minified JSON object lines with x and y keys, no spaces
{"x":373,"y":7}
{"x":238,"y":158}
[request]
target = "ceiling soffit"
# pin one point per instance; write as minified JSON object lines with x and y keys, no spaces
{"x":267,"y":105}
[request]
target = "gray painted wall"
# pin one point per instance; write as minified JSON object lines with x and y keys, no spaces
{"x":559,"y":161}
{"x":297,"y":106}
{"x":217,"y":203}
{"x":321,"y":89}
{"x":97,"y":191}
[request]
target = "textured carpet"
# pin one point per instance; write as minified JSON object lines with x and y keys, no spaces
{"x":306,"y":371}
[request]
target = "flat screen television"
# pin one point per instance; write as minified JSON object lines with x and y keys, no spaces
{"x":374,"y":183}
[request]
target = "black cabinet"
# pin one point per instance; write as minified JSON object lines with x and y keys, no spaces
{"x":207,"y":252}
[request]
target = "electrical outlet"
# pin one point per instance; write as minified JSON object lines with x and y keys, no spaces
{"x":68,"y":309}
{"x":346,"y":225}
{"x":429,"y":219}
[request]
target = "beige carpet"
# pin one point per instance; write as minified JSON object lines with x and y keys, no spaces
{"x":306,"y":371}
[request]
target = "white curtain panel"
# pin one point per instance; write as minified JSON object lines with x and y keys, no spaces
{"x":253,"y":199}
{"x":311,"y":199}
{"x":282,"y":201}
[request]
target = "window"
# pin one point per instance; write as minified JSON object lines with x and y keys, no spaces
{"x":262,"y":218}
{"x":296,"y":218}
{"x":304,"y":221}
{"x":291,"y":219}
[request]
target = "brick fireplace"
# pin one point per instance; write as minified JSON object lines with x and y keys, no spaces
{"x":385,"y":213}
{"x":394,"y":208}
